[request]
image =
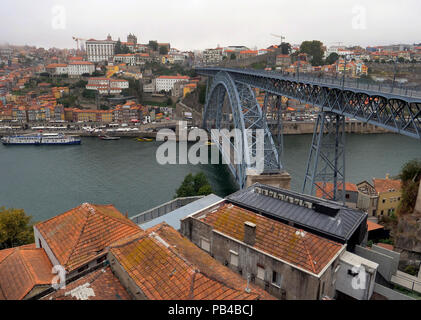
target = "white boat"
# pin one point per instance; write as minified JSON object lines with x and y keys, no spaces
{"x":41,"y":139}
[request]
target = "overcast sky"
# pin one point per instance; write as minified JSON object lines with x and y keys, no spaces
{"x":200,"y":24}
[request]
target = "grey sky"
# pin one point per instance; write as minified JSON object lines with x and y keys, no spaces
{"x":199,"y":24}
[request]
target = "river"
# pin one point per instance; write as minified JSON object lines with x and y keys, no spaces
{"x":48,"y":180}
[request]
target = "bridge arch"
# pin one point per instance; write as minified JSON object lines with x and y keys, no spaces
{"x":246,"y":116}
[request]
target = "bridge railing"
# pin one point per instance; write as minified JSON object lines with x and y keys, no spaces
{"x":359,"y":84}
{"x":352,"y":83}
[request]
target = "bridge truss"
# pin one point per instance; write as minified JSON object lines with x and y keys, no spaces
{"x":395,"y":109}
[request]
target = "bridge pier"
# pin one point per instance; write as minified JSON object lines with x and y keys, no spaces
{"x":281,"y":179}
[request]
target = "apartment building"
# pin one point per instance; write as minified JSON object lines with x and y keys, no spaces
{"x":129,"y":59}
{"x":389,"y":193}
{"x":100,"y":50}
{"x":166,"y":83}
{"x":287,"y":262}
{"x":78,"y":68}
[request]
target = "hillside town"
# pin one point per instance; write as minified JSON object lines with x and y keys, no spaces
{"x":90,"y":210}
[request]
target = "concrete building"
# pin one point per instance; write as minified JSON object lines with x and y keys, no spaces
{"x":287,"y":262}
{"x":212,"y":56}
{"x":107,"y":85}
{"x":351,"y":193}
{"x":160,"y":264}
{"x":367,"y":198}
{"x":129,"y":59}
{"x":389,"y":192}
{"x":166,"y":83}
{"x":78,"y":68}
{"x":100,"y":50}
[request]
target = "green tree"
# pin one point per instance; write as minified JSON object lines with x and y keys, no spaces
{"x":89,"y":94}
{"x":153,"y":45}
{"x":15,"y":228}
{"x":202,"y":94}
{"x":117,"y":48}
{"x":196,"y":185}
{"x":315,"y":49}
{"x":163,"y":50}
{"x":233,"y":56}
{"x":410,"y":176}
{"x":332,"y":58}
{"x":401,"y":59}
{"x":169,"y":101}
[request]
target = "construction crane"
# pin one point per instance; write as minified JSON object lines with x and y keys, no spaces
{"x":278,"y":36}
{"x":77,"y":41}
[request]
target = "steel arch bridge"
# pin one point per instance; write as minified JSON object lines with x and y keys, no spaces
{"x":395,"y":109}
{"x":246,"y":116}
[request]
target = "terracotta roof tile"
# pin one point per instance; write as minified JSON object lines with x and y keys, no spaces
{"x":21,"y":269}
{"x":373,"y":226}
{"x":301,"y":249}
{"x":99,"y":285}
{"x":385,"y":185}
{"x":329,"y":188}
{"x":167,"y":266}
{"x":81,"y":234}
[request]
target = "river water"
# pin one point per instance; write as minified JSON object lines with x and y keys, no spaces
{"x":48,"y":180}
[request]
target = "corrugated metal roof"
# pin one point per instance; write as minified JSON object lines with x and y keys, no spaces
{"x":331,"y":219}
{"x":173,"y":218}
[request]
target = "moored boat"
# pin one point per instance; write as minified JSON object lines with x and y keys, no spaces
{"x":109,"y":138}
{"x":41,"y":139}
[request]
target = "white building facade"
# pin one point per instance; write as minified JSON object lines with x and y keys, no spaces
{"x":77,"y":68}
{"x":100,"y":50}
{"x":166,"y":83}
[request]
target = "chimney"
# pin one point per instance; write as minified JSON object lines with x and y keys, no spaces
{"x":387,"y":176}
{"x":249,"y":233}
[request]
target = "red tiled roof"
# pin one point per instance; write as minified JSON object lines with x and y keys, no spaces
{"x":83,"y":233}
{"x":385,"y":246}
{"x":167,"y":266}
{"x":329,"y":188}
{"x":102,"y":285}
{"x":301,"y":249}
{"x":373,"y":226}
{"x":384,"y":185}
{"x":22,"y":269}
{"x":173,"y":77}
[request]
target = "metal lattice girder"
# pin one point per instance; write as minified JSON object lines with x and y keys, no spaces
{"x":326,"y":163}
{"x":397,"y":110}
{"x":247,"y":116}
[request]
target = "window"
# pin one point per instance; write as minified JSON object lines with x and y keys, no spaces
{"x":204,"y":244}
{"x":384,"y":200}
{"x":347,"y":196}
{"x":381,"y":212}
{"x":276,"y":279}
{"x":234,"y":258}
{"x":260,"y":273}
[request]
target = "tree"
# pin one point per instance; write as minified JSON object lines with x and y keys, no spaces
{"x":15,"y":228}
{"x":315,"y":49}
{"x":401,"y":59}
{"x":117,"y":48}
{"x":89,"y":94}
{"x":332,"y":58}
{"x":233,"y":56}
{"x":410,"y":176}
{"x":202,"y":94}
{"x":197,"y":185}
{"x":163,"y":50}
{"x":153,"y":45}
